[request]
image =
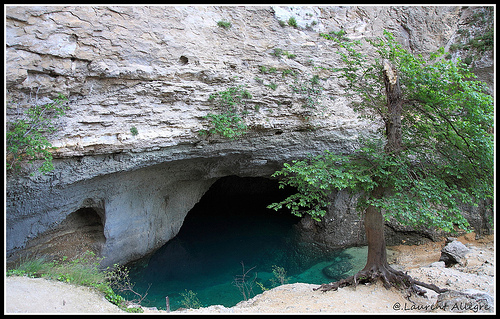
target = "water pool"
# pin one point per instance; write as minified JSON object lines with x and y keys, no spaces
{"x":222,"y":234}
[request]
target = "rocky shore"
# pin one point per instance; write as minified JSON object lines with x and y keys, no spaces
{"x":471,"y":283}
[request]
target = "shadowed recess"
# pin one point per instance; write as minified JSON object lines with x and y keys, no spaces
{"x":229,"y":226}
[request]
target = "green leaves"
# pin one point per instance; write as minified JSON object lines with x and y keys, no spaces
{"x":315,"y":179}
{"x":228,"y":122}
{"x":309,"y":90}
{"x":446,"y":157}
{"x":26,"y":137}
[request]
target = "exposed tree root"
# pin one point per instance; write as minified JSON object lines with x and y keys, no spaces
{"x":390,"y":278}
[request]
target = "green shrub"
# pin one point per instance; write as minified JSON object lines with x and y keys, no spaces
{"x":287,"y":72}
{"x":277,"y":52}
{"x":310,"y":91}
{"x":292,"y":22}
{"x":190,"y":300}
{"x":272,"y":86}
{"x":25,"y":137}
{"x":134,"y":131}
{"x":335,"y":35}
{"x":279,"y":276}
{"x":228,"y":122}
{"x":224,"y":24}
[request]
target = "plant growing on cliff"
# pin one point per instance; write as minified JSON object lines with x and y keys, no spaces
{"x":483,"y":22}
{"x":309,"y":91}
{"x":134,"y":131}
{"x":228,"y":121}
{"x":292,"y":22}
{"x":434,"y":152}
{"x":26,"y":139}
{"x":224,"y":24}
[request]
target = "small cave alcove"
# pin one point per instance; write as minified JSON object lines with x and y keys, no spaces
{"x":81,"y":231}
{"x":85,"y":229}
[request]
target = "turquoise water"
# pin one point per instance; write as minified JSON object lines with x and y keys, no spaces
{"x":227,"y":230}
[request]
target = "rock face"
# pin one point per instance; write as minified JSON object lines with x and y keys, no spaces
{"x":153,"y":68}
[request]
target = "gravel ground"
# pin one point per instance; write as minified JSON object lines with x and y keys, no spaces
{"x":28,"y":295}
{"x":38,"y":295}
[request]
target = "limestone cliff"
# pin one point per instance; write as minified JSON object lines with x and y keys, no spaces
{"x":153,"y":68}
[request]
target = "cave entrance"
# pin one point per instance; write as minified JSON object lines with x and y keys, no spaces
{"x":234,"y":225}
{"x":228,"y":229}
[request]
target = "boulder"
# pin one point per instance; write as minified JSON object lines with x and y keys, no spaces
{"x":453,"y":253}
{"x":467,"y":301}
{"x":337,"y":269}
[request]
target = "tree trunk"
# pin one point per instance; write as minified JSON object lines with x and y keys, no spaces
{"x":394,"y":109}
{"x":374,"y":221}
{"x":374,"y":229}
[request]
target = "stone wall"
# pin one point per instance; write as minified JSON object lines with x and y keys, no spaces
{"x":154,"y":68}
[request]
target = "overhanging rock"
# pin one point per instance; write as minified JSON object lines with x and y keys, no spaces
{"x":144,"y":197}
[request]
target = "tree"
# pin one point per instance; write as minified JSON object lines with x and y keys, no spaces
{"x":434,"y":153}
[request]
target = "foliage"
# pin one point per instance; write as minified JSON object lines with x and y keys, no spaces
{"x":83,"y":270}
{"x":280,"y":277}
{"x":277,"y":52}
{"x":292,"y":22}
{"x":190,"y":300}
{"x":314,"y":178}
{"x":447,"y":153}
{"x":134,"y":130}
{"x":261,"y":286}
{"x":264,"y":69}
{"x":287,"y":72}
{"x":224,"y":24}
{"x":335,"y":35}
{"x":228,"y":121}
{"x":25,"y":137}
{"x":119,"y":281}
{"x":272,"y":86}
{"x":309,"y":90}
{"x":31,"y":268}
{"x":478,"y":36}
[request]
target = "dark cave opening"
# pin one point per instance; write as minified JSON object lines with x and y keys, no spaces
{"x":228,"y":229}
{"x":232,"y":222}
